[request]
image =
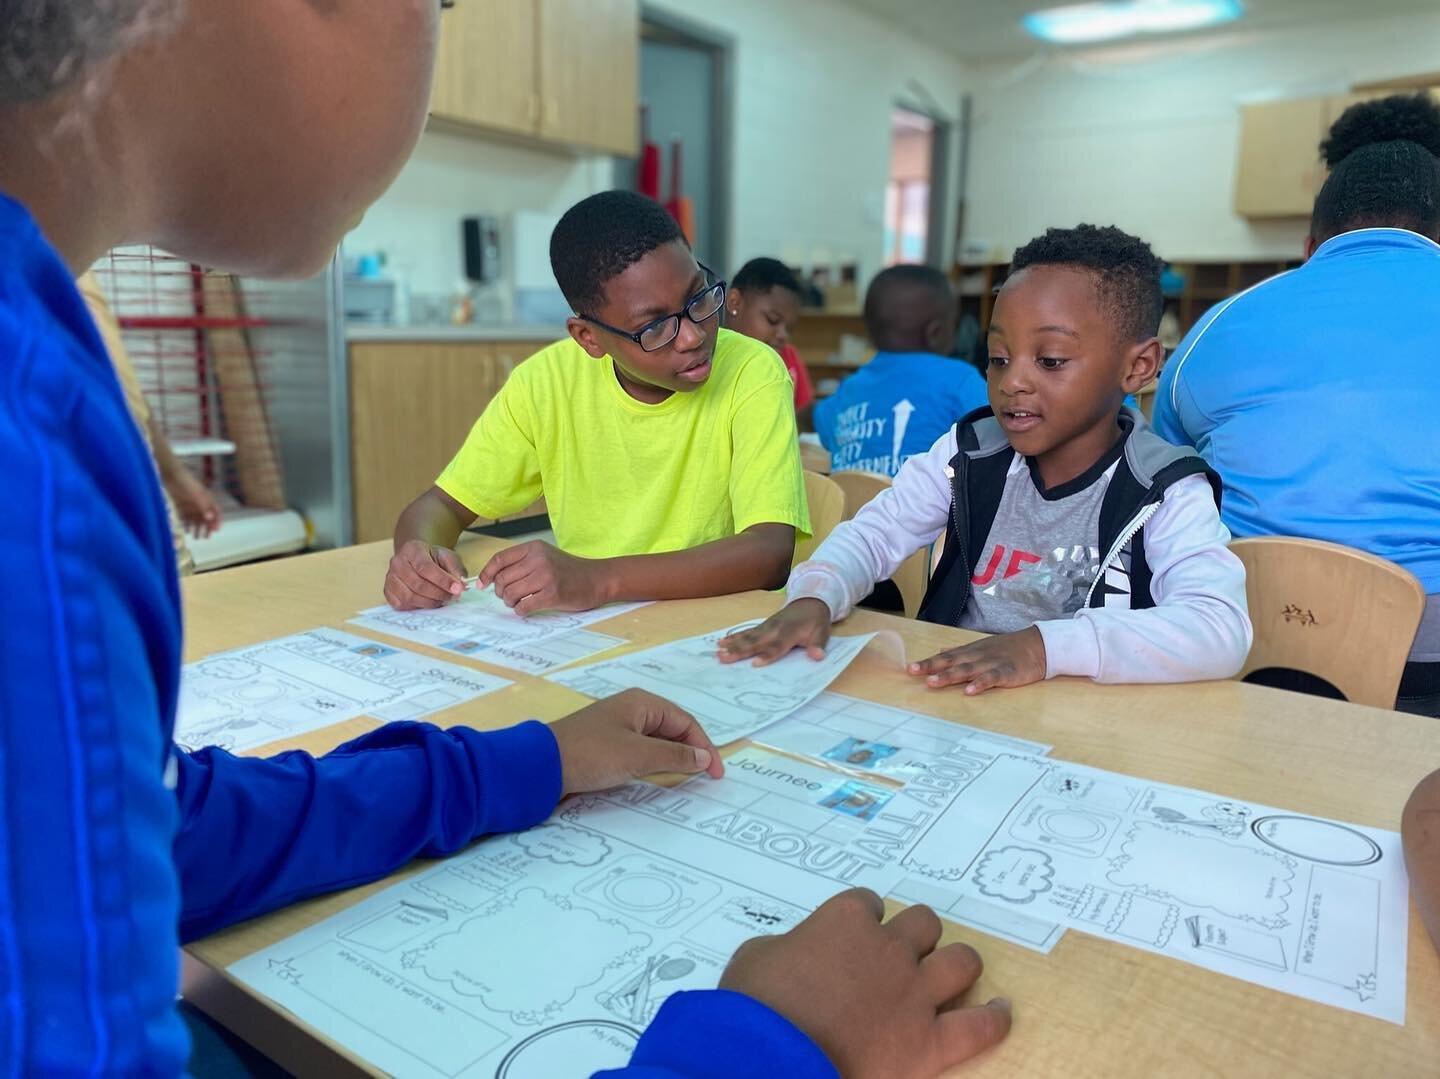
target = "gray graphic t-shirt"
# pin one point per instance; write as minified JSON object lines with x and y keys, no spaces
{"x":1040,"y":557}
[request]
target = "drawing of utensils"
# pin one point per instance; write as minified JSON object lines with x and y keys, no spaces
{"x":678,"y":914}
{"x":659,"y":969}
{"x":600,"y":882}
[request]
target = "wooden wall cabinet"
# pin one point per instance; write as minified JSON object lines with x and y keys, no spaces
{"x":1280,"y":171}
{"x":487,"y":70}
{"x":562,"y":71}
{"x":411,"y":406}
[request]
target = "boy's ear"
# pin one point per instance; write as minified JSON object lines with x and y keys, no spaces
{"x":585,"y":336}
{"x":1142,"y":363}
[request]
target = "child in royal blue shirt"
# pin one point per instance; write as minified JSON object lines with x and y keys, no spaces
{"x":909,"y":393}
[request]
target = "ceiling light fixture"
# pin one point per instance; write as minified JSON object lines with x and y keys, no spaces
{"x":1079,"y":24}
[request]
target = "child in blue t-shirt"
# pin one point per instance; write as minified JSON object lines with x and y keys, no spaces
{"x":910,"y":393}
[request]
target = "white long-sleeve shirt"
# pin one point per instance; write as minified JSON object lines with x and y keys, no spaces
{"x":1199,"y":627}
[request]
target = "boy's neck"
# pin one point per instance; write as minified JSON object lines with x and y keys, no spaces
{"x":1076,"y":456}
{"x":643,"y":392}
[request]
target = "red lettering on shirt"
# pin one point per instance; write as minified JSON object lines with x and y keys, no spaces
{"x":1018,"y":561}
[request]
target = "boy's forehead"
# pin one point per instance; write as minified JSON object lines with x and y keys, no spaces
{"x":1050,"y":295}
{"x":658,"y":283}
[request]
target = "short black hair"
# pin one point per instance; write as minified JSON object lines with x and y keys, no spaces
{"x":1384,"y":159}
{"x":1400,"y":117}
{"x":763,"y":274}
{"x":1126,"y":272}
{"x":901,"y":301}
{"x":601,"y":237}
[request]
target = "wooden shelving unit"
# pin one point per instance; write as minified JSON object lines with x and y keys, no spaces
{"x":1206,"y":284}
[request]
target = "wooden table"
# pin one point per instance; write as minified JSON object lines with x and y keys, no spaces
{"x":1090,"y":1008}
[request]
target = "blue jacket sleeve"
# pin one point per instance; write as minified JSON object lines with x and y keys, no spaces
{"x":256,"y":834}
{"x":719,"y":1034}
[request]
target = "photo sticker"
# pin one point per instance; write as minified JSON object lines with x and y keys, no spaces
{"x":858,"y":753}
{"x":376,"y":651}
{"x":856,"y":800}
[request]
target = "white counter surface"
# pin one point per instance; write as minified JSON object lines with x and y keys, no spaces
{"x":471,"y":332}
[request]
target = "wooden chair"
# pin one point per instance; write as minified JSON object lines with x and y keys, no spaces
{"x":827,"y":509}
{"x":815,"y":458}
{"x":1331,"y":612}
{"x":914,"y":573}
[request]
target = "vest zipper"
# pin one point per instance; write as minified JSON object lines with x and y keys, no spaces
{"x":964,"y":562}
{"x":1135,"y":525}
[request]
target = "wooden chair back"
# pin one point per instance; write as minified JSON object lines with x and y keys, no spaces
{"x":827,"y":509}
{"x":914,"y":573}
{"x":1332,"y":612}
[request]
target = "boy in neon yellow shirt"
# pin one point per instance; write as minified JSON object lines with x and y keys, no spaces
{"x":664,"y":446}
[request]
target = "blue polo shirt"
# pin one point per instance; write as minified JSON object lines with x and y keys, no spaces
{"x":1316,"y":396}
{"x":115,"y":847}
{"x":894,"y":407}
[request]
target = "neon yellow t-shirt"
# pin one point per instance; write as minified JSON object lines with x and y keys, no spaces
{"x":622,"y":477}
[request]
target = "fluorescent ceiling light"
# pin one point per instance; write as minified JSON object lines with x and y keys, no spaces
{"x":1077,"y":24}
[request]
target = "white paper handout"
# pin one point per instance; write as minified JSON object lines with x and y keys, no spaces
{"x":933,"y":758}
{"x":539,"y":954}
{"x":251,"y":696}
{"x":1304,"y":905}
{"x":477,"y":623}
{"x":731,"y":700}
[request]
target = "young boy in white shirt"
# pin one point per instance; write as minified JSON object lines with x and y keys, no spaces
{"x":1081,"y":541}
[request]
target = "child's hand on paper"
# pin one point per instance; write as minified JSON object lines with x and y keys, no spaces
{"x":1006,"y":659}
{"x":537,"y":576}
{"x":879,"y":999}
{"x":805,"y":623}
{"x":628,"y":735}
{"x":422,"y":575}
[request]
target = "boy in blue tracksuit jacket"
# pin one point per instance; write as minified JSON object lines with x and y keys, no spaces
{"x":115,"y":846}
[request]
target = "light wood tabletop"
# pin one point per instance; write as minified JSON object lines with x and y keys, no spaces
{"x":1091,"y":1007}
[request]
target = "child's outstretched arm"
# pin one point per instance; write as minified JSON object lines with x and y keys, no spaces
{"x":887,"y":530}
{"x":537,"y":576}
{"x":1199,"y":627}
{"x":1420,"y":830}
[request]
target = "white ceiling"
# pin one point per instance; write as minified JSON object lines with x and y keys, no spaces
{"x":976,"y":30}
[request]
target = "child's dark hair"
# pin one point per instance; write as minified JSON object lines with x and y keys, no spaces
{"x":764,"y":274}
{"x":1407,"y":117}
{"x":602,"y":237}
{"x":1126,"y":272}
{"x":1384,"y":158}
{"x":900,"y":300}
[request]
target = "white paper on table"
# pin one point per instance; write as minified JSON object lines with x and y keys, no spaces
{"x":537,"y":954}
{"x":249,"y":697}
{"x":477,"y":623}
{"x":1307,"y":906}
{"x":731,"y":700}
{"x":857,"y":733}
{"x":938,"y":756}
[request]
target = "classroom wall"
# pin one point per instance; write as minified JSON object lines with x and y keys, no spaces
{"x":1147,"y":137}
{"x":814,"y":82}
{"x":417,"y":222}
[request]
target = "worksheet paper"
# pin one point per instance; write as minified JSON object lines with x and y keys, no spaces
{"x":1307,"y":906}
{"x":252,"y":696}
{"x":931,"y":758}
{"x":731,"y":700}
{"x":477,"y":623}
{"x":533,"y":955}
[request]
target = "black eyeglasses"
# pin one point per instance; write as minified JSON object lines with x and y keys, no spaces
{"x":656,"y":335}
{"x":446,"y":5}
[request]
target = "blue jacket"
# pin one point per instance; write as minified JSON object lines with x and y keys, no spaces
{"x":894,"y":407}
{"x":1315,"y":396}
{"x":115,"y":847}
